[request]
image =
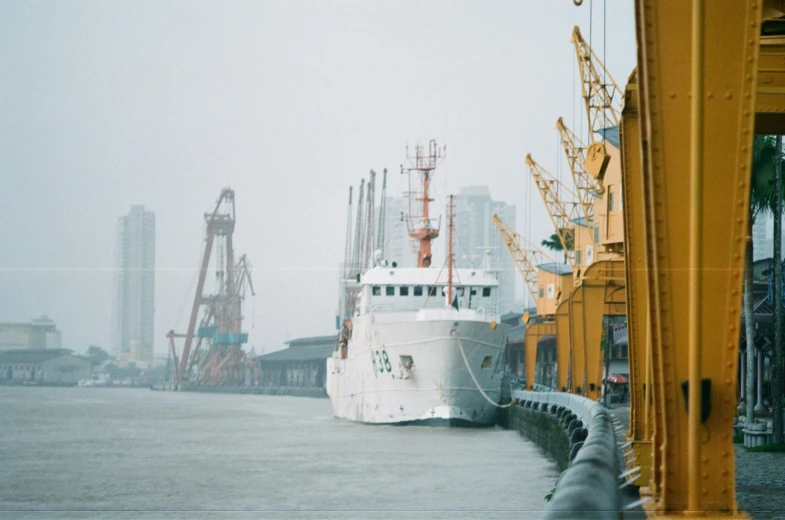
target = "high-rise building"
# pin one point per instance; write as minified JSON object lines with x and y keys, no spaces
{"x":398,"y":246}
{"x":134,"y":297}
{"x":477,"y":242}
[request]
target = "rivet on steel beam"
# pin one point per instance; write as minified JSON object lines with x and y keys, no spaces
{"x":728,"y":95}
{"x":710,"y":95}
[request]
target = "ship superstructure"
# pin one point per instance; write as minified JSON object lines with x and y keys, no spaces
{"x":416,"y":344}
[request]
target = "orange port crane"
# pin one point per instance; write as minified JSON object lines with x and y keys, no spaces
{"x":526,"y":255}
{"x":221,"y":324}
{"x":561,"y":211}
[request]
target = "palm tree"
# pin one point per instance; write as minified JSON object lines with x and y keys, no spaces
{"x":776,"y":383}
{"x":554,"y":242}
{"x":761,"y":190}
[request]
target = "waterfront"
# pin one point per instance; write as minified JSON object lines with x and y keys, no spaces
{"x":71,"y":452}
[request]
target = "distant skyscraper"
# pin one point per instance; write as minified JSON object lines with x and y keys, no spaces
{"x":134,"y":297}
{"x":476,"y":237}
{"x":398,"y":246}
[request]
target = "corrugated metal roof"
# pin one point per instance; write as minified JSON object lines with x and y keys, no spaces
{"x":298,"y":354}
{"x":556,"y":268}
{"x":517,"y":333}
{"x":32,"y":356}
{"x":581,"y":221}
{"x":611,"y":134}
{"x":313,"y":341}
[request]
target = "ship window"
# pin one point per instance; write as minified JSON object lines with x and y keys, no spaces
{"x":542,"y":292}
{"x":473,"y":292}
{"x":432,"y":291}
{"x":390,"y":290}
{"x":404,"y":290}
{"x":597,"y":235}
{"x":486,"y":291}
{"x":578,"y":256}
{"x":418,"y":290}
{"x":376,"y":291}
{"x":611,"y":199}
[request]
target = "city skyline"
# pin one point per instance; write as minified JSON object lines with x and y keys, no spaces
{"x":280,"y":104}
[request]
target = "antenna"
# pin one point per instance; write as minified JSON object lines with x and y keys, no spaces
{"x":418,"y":222}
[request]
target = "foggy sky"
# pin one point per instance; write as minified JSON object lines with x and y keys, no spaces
{"x":105,"y":104}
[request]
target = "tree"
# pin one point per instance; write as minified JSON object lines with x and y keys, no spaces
{"x":761,"y":190}
{"x":97,"y":355}
{"x":554,"y":242}
{"x":776,"y":383}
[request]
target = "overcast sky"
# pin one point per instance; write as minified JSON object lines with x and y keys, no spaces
{"x":105,"y":104}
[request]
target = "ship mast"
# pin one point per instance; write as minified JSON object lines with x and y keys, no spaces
{"x":449,"y":254}
{"x":419,"y":225}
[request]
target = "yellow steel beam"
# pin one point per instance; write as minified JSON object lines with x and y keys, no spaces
{"x":637,"y":297}
{"x":770,"y":96}
{"x":712,"y":330}
{"x":563,"y":346}
{"x":592,"y":300}
{"x":532,"y":336}
{"x":562,"y":211}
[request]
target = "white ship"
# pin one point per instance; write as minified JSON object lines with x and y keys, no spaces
{"x":419,"y":344}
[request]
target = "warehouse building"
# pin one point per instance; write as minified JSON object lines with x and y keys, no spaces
{"x":49,"y":366}
{"x":302,"y":365}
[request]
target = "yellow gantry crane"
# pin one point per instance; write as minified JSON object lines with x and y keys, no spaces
{"x":602,"y":98}
{"x":527,"y":258}
{"x":526,"y":255}
{"x":562,"y":213}
{"x":601,"y":95}
{"x":588,"y":187}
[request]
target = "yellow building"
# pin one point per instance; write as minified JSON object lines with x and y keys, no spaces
{"x":608,"y":218}
{"x":554,"y":283}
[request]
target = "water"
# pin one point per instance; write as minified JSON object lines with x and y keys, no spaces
{"x":109,"y":453}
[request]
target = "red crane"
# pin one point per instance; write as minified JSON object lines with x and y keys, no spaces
{"x":221,"y":324}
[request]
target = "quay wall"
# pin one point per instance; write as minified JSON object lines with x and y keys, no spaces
{"x":543,"y":429}
{"x":579,"y":434}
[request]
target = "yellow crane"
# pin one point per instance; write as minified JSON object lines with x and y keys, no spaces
{"x":588,"y":187}
{"x":526,"y":255}
{"x":562,"y":213}
{"x":602,"y":99}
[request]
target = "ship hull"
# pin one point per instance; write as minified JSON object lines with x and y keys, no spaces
{"x":415,"y":372}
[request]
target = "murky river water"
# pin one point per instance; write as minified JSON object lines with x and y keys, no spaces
{"x":112,"y":453}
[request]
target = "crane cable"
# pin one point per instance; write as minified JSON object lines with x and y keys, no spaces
{"x":454,"y":334}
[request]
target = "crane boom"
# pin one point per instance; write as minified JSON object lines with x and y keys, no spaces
{"x":526,"y":255}
{"x":602,"y":97}
{"x":552,"y":192}
{"x":586,"y":185}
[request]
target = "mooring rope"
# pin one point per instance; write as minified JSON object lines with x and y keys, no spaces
{"x":476,"y":383}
